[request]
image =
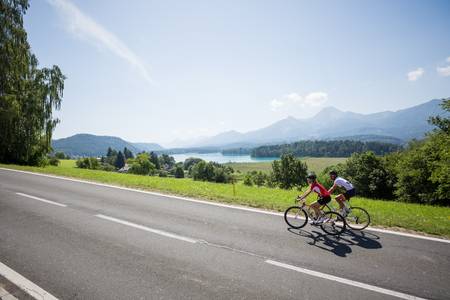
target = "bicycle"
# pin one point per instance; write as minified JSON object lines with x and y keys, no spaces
{"x":357,"y":218}
{"x":297,"y":217}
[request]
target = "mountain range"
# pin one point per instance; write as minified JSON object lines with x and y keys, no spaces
{"x":331,"y":123}
{"x":94,"y":145}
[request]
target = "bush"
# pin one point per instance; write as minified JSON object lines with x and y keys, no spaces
{"x":248,"y":179}
{"x":88,"y":163}
{"x":60,"y":155}
{"x":179,"y":172}
{"x":211,"y":171}
{"x":141,"y":165}
{"x":163,"y":173}
{"x":53,"y":161}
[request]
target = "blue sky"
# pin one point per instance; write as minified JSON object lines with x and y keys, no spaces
{"x":157,"y":71}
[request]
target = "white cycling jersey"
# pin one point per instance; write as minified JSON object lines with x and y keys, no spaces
{"x":339,"y":181}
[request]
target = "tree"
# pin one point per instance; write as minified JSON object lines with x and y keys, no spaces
{"x":155,"y":160}
{"x":289,"y":172}
{"x":179,"y":172}
{"x":60,"y":155}
{"x":442,"y":122}
{"x":423,"y":170}
{"x":142,"y":165}
{"x":369,"y":175}
{"x":120,"y":161}
{"x":127,"y":153}
{"x":28,"y":95}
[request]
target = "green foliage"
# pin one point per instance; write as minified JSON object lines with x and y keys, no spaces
{"x":248,"y":180}
{"x":127,"y":153}
{"x":191,"y":161}
{"x":179,"y":172}
{"x":88,"y":163}
{"x":142,"y":165}
{"x":163,"y":173}
{"x":28,"y":94}
{"x":120,"y":160}
{"x":60,"y":155}
{"x":442,"y":122}
{"x":53,"y":161}
{"x":211,"y":171}
{"x":423,"y":171}
{"x":325,"y":148}
{"x":289,"y":172}
{"x":155,"y":160}
{"x":166,"y":162}
{"x":370,"y":175}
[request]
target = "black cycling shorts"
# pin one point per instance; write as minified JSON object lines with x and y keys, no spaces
{"x":350,"y":193}
{"x":324,"y":200}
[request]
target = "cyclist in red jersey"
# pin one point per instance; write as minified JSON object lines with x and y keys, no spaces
{"x":322,"y":192}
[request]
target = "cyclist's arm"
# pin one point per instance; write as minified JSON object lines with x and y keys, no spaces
{"x":331,"y":190}
{"x":305,"y":194}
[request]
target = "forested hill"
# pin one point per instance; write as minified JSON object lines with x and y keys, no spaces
{"x":342,"y":148}
{"x":94,"y":145}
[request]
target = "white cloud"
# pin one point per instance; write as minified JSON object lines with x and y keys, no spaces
{"x":443,"y":71}
{"x":86,"y":28}
{"x":316,"y":99}
{"x":291,"y":100}
{"x":276,"y":104}
{"x":415,"y":74}
{"x":448,"y":59}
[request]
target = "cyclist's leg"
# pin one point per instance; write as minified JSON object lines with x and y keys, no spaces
{"x":340,"y":199}
{"x":316,"y":207}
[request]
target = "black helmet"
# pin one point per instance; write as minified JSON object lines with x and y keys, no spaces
{"x":311,"y":176}
{"x":333,"y":172}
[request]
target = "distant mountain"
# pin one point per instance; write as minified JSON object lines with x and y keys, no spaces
{"x":332,"y":123}
{"x":148,"y":146}
{"x":94,"y":145}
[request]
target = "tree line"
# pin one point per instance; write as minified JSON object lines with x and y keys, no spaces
{"x":340,"y":148}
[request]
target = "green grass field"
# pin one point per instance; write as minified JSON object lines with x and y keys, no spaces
{"x":315,"y":164}
{"x":421,"y":218}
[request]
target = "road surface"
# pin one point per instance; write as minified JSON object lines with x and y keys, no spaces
{"x":86,"y":241}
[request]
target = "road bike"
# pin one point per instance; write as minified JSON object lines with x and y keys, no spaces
{"x":297,"y":217}
{"x":357,"y":218}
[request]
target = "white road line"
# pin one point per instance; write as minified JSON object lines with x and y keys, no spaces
{"x":5,"y":295}
{"x":26,"y":285}
{"x":42,"y":200}
{"x":344,"y":281}
{"x":255,"y":210}
{"x":152,"y":230}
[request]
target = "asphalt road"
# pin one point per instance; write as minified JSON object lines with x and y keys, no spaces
{"x":107,"y":243}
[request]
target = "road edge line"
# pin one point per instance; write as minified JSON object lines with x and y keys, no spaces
{"x":25,"y":284}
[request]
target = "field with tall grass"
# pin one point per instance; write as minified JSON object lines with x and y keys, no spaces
{"x":422,"y":218}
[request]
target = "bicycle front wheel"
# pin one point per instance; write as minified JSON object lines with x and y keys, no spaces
{"x":333,"y":223}
{"x":296,"y":217}
{"x":358,"y":218}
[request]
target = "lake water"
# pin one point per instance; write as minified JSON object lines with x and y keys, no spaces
{"x":220,"y":158}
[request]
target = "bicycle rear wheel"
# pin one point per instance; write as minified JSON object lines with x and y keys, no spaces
{"x":358,"y":218}
{"x":333,"y":224}
{"x":296,"y":217}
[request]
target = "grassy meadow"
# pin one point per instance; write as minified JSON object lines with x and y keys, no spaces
{"x":315,"y":164}
{"x":422,"y":218}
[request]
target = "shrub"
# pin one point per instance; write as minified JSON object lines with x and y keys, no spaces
{"x":289,"y":172}
{"x":53,"y":161}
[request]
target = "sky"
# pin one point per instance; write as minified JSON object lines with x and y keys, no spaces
{"x":166,"y":71}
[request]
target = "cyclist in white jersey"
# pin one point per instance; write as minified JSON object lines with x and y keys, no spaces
{"x":341,"y":198}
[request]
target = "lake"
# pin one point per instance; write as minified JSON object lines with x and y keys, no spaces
{"x":220,"y":158}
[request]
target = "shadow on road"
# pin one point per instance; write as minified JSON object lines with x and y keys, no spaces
{"x":340,"y":245}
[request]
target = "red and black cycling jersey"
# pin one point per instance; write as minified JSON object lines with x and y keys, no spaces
{"x":319,"y":189}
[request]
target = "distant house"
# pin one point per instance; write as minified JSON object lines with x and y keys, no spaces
{"x":124,"y":169}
